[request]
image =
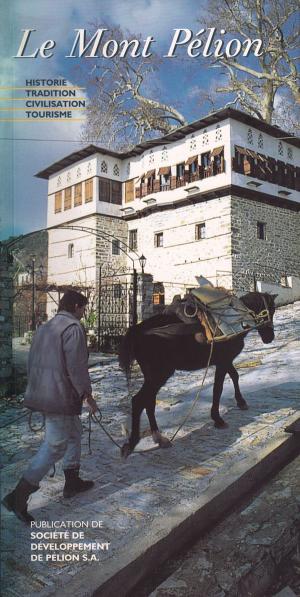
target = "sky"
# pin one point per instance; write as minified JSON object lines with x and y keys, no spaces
{"x":28,"y":147}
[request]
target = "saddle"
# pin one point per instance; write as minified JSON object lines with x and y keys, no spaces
{"x":207,"y":312}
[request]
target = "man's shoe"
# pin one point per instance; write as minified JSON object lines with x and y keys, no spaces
{"x":16,"y":501}
{"x":74,"y":484}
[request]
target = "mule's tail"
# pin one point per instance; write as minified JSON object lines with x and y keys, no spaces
{"x":127,"y":352}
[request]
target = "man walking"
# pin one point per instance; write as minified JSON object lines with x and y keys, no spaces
{"x":58,"y":382}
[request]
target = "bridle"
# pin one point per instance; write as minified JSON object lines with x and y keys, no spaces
{"x":263,"y":317}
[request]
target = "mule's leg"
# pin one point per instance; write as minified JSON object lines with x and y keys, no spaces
{"x":138,"y":405}
{"x":217,"y":392}
{"x":158,"y":438}
{"x":241,"y":402}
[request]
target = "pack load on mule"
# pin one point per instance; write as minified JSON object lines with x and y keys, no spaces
{"x":210,"y":313}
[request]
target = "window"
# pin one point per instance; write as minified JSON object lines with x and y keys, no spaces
{"x":116,"y":170}
{"x":70,"y":251}
{"x":180,"y":170}
{"x":89,"y":190}
{"x":149,"y":181}
{"x":261,"y":230}
{"x":205,"y":159}
{"x":260,"y":142}
{"x":151,"y":157}
{"x":205,"y":139}
{"x":133,"y":240}
{"x":193,"y":143}
{"x":129,"y":190}
{"x":68,"y":198}
{"x":116,"y":192}
{"x":104,"y":167}
{"x":217,"y":158}
{"x":193,"y":167}
{"x":250,"y":136}
{"x":110,"y":191}
{"x":104,"y":190}
{"x":200,"y":231}
{"x":164,"y":154}
{"x":280,"y":148}
{"x":165,"y":182}
{"x":58,"y":202}
{"x":115,"y":246}
{"x":218,"y":133}
{"x":159,"y":239}
{"x":78,"y":194}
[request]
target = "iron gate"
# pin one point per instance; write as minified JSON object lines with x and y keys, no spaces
{"x":116,"y":312}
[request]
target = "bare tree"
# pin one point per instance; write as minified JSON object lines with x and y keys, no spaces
{"x":254,"y":86}
{"x":124,"y":109}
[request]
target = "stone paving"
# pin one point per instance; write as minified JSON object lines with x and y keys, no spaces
{"x":129,"y":497}
{"x":241,"y":555}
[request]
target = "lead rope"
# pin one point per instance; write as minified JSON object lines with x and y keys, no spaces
{"x":200,"y":389}
{"x":95,"y":419}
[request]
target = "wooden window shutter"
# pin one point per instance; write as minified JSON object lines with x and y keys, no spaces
{"x":104,"y":190}
{"x":68,"y":198}
{"x":164,"y":171}
{"x":58,"y":202}
{"x":116,"y":192}
{"x":78,"y":194}
{"x":89,"y":190}
{"x":129,"y":190}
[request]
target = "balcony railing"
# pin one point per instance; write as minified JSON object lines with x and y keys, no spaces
{"x":176,"y":182}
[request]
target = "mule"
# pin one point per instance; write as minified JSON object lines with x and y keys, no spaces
{"x":159,"y":357}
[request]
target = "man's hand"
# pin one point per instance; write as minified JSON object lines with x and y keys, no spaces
{"x":92,"y":404}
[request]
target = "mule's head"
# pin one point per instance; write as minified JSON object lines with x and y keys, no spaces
{"x":266,"y":329}
{"x":263,"y":305}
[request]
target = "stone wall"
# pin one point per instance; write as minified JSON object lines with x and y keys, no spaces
{"x":144,"y":297}
{"x":111,"y":228}
{"x":6,"y":290}
{"x":255,"y":259}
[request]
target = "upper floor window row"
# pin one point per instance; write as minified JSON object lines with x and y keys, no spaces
{"x":73,"y":196}
{"x":167,"y":178}
{"x":257,"y":165}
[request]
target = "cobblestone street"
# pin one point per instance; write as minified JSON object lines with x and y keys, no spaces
{"x":133,"y":496}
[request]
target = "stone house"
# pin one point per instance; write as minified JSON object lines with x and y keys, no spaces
{"x":218,"y":197}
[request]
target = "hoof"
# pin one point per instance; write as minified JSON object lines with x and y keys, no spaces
{"x":125,"y":451}
{"x":162,"y":441}
{"x":221,"y":424}
{"x":243,"y":406}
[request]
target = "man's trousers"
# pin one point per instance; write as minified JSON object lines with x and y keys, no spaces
{"x":62,"y":440}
